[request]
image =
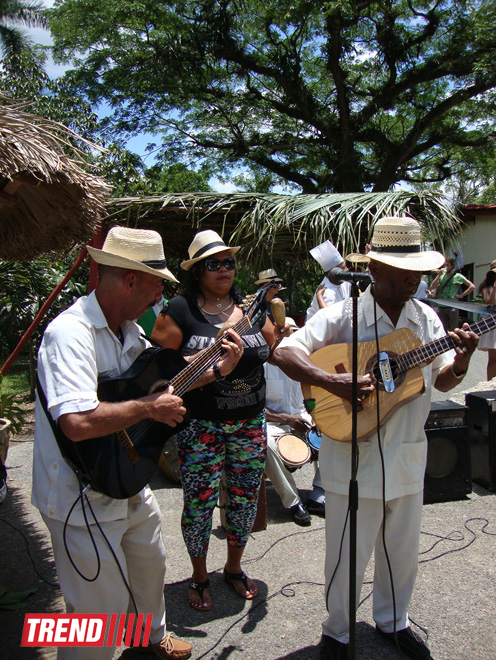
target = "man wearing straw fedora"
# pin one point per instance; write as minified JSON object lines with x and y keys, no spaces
{"x":112,"y":559}
{"x":392,"y":460}
{"x":269,"y":276}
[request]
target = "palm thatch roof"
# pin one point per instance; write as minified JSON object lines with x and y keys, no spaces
{"x":276,"y":229}
{"x":48,"y":202}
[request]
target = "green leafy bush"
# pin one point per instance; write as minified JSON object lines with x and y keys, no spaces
{"x":11,"y":408}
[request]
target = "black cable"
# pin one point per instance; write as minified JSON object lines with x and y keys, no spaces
{"x":256,"y":606}
{"x":83,"y":497}
{"x":51,"y":584}
{"x":288,"y":591}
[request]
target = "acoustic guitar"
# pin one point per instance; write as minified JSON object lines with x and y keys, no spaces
{"x":395,"y":371}
{"x":121,"y":464}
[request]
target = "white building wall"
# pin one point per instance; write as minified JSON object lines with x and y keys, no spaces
{"x":479,"y":245}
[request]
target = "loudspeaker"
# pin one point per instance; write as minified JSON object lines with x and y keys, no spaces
{"x":481,"y":422}
{"x":447,"y":473}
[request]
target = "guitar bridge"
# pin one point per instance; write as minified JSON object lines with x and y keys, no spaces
{"x":386,"y":372}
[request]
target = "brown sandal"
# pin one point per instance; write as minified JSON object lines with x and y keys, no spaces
{"x":239,"y":577}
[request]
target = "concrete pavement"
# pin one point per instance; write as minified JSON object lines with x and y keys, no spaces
{"x":454,"y":600}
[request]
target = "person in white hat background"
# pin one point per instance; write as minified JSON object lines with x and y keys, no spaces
{"x":328,"y":257}
{"x":227,"y":430}
{"x":98,"y":337}
{"x":396,"y":262}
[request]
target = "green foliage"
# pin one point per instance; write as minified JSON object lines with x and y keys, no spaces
{"x":11,"y":408}
{"x":24,"y":287}
{"x":15,"y":383}
{"x":323,"y":97}
{"x":299,"y":279}
{"x":16,"y":13}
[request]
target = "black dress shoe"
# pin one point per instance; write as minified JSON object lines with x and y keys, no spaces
{"x":409,"y":642}
{"x":316,"y":507}
{"x":300,"y":515}
{"x":331,"y":649}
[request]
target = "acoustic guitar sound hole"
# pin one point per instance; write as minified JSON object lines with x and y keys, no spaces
{"x":159,"y":386}
{"x":373,"y":369}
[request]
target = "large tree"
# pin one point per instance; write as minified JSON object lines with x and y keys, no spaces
{"x":325,"y":96}
{"x":14,"y":15}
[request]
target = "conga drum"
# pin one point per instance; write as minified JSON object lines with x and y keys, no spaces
{"x":314,"y":440}
{"x":293,"y":450}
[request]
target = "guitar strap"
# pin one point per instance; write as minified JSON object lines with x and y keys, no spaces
{"x":62,"y":442}
{"x":152,"y":341}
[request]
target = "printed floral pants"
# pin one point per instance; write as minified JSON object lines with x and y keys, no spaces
{"x":206,"y":448}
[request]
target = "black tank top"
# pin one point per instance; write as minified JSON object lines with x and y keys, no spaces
{"x":241,"y":394}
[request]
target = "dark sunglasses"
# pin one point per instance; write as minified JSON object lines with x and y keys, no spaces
{"x":216,"y":264}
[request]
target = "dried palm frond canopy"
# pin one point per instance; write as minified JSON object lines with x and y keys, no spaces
{"x":276,"y":229}
{"x":48,"y":202}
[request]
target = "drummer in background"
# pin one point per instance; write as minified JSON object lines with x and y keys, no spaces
{"x":327,"y":256}
{"x":285,"y":413}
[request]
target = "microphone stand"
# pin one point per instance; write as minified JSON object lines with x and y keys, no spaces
{"x":336,"y":276}
{"x":353,"y":489}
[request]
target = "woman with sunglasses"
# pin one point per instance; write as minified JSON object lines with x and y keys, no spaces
{"x":227,"y":430}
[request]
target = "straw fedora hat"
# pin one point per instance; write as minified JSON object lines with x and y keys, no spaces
{"x":398,"y":242}
{"x":205,"y":244}
{"x":135,"y":249}
{"x":268,"y":275}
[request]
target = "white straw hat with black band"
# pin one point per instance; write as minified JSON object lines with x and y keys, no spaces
{"x":134,"y":249}
{"x":205,"y":244}
{"x":269,"y":275}
{"x":398,"y":242}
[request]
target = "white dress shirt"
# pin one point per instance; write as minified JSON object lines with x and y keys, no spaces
{"x":332,"y":293}
{"x":77,"y":349}
{"x":403,"y":437}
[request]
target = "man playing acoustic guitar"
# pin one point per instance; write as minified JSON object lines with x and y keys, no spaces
{"x":396,"y":262}
{"x":108,"y":552}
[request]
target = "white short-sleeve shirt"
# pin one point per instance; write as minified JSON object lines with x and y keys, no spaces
{"x":332,"y":293}
{"x":77,"y":349}
{"x":403,"y":437}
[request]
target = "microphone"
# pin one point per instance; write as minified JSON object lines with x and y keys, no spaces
{"x":336,"y":276}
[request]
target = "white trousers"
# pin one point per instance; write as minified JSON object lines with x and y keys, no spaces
{"x":282,"y":480}
{"x":280,"y":477}
{"x":137,"y":543}
{"x":402,"y":533}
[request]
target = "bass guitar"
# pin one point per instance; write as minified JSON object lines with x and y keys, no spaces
{"x":395,"y":371}
{"x":121,"y":464}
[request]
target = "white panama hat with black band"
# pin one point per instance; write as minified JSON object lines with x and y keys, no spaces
{"x":133,"y":249}
{"x":398,"y":242}
{"x":205,"y":244}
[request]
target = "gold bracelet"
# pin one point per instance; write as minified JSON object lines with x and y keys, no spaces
{"x":457,"y":376}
